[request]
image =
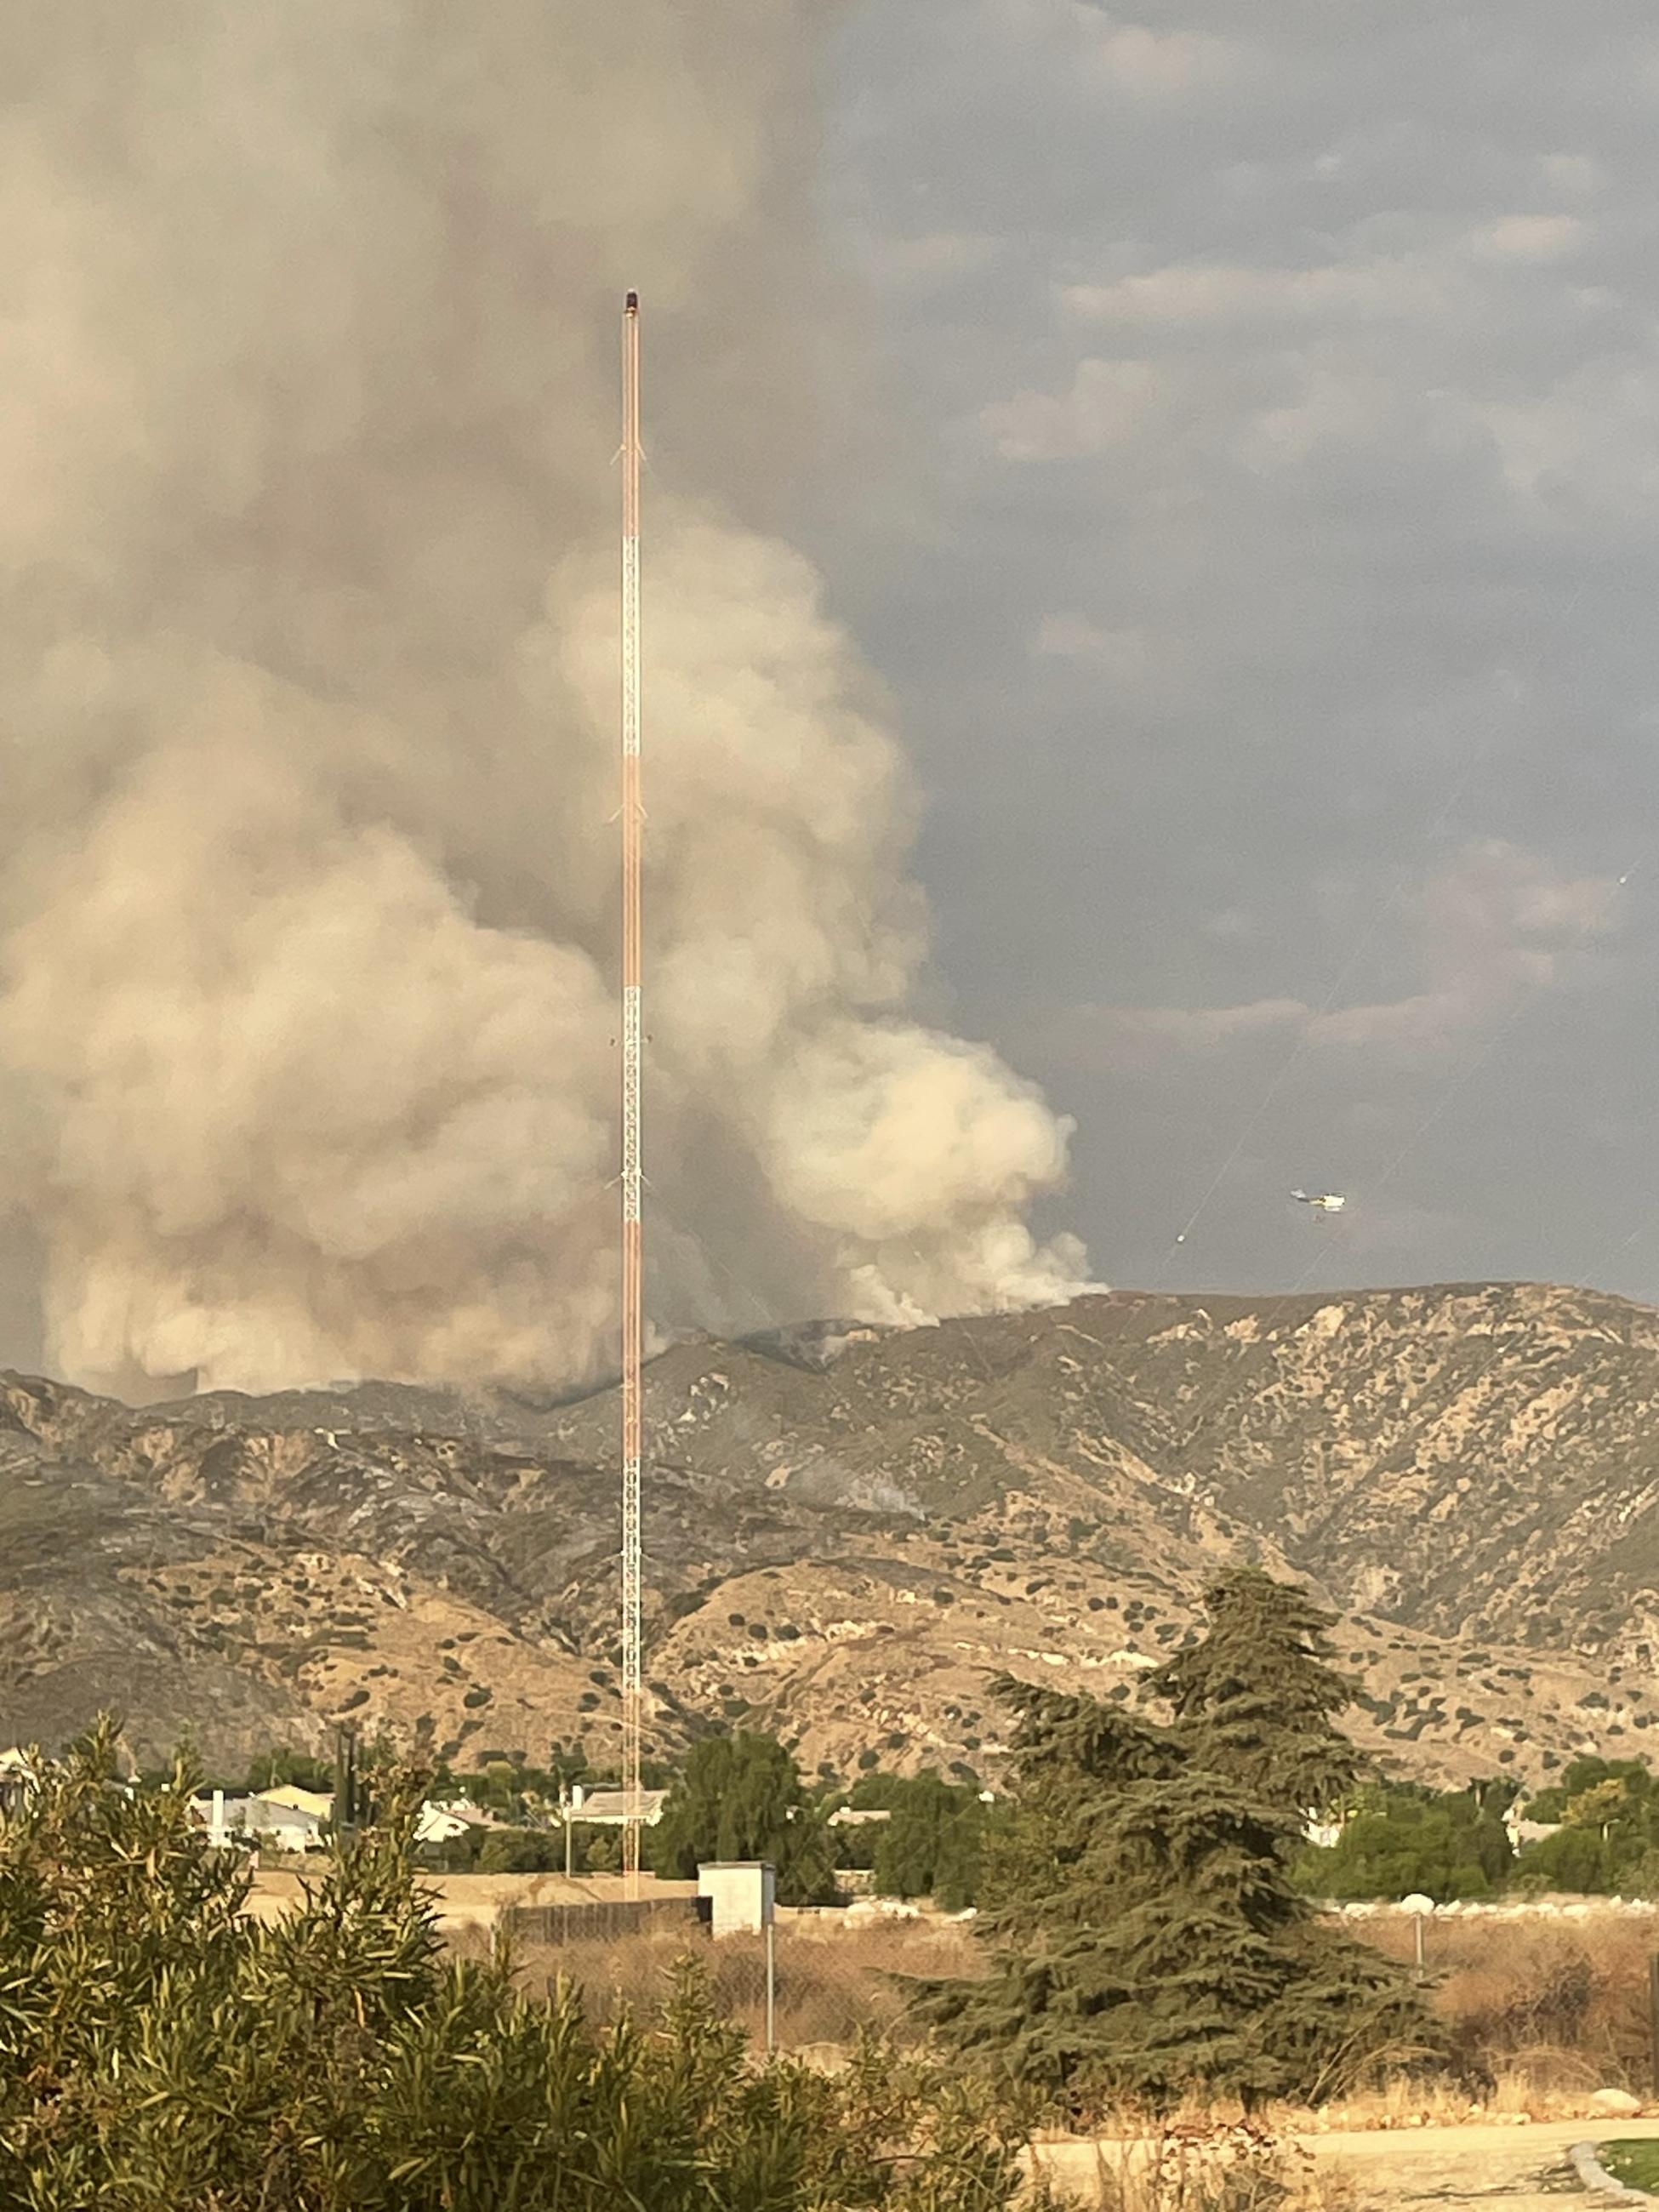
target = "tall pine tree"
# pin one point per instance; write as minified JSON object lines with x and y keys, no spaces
{"x":1257,"y":1697}
{"x":1146,"y":1938}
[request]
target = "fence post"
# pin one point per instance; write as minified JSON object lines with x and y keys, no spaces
{"x":772,"y":1984}
{"x":1653,"y":2014}
{"x":1420,"y":1908}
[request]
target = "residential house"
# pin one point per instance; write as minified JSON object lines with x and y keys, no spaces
{"x":319,"y":1803}
{"x":1522,"y":1832}
{"x":253,"y":1819}
{"x":608,"y":1809}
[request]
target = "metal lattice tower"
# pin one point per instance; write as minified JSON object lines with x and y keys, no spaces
{"x":632,"y":1227}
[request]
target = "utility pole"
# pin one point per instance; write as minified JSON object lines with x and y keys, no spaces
{"x":347,"y":1809}
{"x":632,"y":1227}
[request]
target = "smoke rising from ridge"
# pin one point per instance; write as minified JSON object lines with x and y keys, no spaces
{"x":307,"y":1062}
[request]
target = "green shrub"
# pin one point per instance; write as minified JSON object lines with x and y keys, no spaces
{"x":161,"y":2053}
{"x":521,"y":1851}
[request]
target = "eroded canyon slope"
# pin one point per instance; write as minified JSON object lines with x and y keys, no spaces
{"x":847,"y":1529}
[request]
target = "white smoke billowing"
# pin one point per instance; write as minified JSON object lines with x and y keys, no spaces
{"x":307,"y":1061}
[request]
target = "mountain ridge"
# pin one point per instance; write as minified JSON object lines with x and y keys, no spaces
{"x":849,"y":1528}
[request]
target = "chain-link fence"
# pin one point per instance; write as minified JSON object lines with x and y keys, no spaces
{"x":837,"y":1975}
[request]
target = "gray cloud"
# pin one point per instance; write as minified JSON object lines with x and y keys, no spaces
{"x":1496,"y":931}
{"x":1241,"y":474}
{"x":1276,"y":638}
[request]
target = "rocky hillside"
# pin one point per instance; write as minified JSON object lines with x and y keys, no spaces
{"x":847,"y":1529}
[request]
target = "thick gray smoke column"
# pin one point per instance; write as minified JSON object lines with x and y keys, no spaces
{"x":307,"y":706}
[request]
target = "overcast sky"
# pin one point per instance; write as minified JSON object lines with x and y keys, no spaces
{"x":1237,"y":445}
{"x":1265,"y":570}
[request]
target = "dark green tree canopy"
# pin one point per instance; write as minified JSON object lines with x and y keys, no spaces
{"x":1400,"y":1836}
{"x":1609,"y":1839}
{"x":1256,"y":1696}
{"x":930,"y":1847}
{"x":741,"y":1797}
{"x":1147,"y":1938}
{"x":1400,"y":1840}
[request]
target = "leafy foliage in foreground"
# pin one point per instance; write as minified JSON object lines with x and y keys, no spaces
{"x":1148,"y":1939}
{"x":160,"y":2053}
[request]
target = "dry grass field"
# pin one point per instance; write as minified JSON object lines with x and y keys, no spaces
{"x":834,"y":1983}
{"x":1551,"y":2007}
{"x":1550,"y":2010}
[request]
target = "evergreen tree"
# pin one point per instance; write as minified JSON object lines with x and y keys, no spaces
{"x":1148,"y":1939}
{"x":1257,"y":1697}
{"x":741,"y":1797}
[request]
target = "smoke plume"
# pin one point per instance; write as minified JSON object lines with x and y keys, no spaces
{"x":307,"y":1061}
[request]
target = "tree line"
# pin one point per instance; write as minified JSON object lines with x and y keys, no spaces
{"x":738,"y":1796}
{"x":744,"y":1796}
{"x":1400,"y":1838}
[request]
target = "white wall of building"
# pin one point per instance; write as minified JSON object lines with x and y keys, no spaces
{"x":742,"y":1894}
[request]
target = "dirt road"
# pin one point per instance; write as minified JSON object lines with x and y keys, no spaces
{"x":1521,"y":2169}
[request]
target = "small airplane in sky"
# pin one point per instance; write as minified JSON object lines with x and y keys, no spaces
{"x":1324,"y":1202}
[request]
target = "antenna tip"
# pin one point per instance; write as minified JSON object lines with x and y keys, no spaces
{"x":632,"y":303}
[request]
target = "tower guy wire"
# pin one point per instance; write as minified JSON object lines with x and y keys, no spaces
{"x":632,"y":1226}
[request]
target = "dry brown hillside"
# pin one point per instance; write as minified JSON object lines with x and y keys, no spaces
{"x":848,"y":1529}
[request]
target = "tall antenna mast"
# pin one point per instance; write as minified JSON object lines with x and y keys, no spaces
{"x":632,"y":1227}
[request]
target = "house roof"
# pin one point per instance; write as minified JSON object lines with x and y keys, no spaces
{"x":1531,"y":1831}
{"x":476,"y":1816}
{"x":610,"y":1805}
{"x":259,"y":1814}
{"x":298,"y":1800}
{"x":439,"y":1824}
